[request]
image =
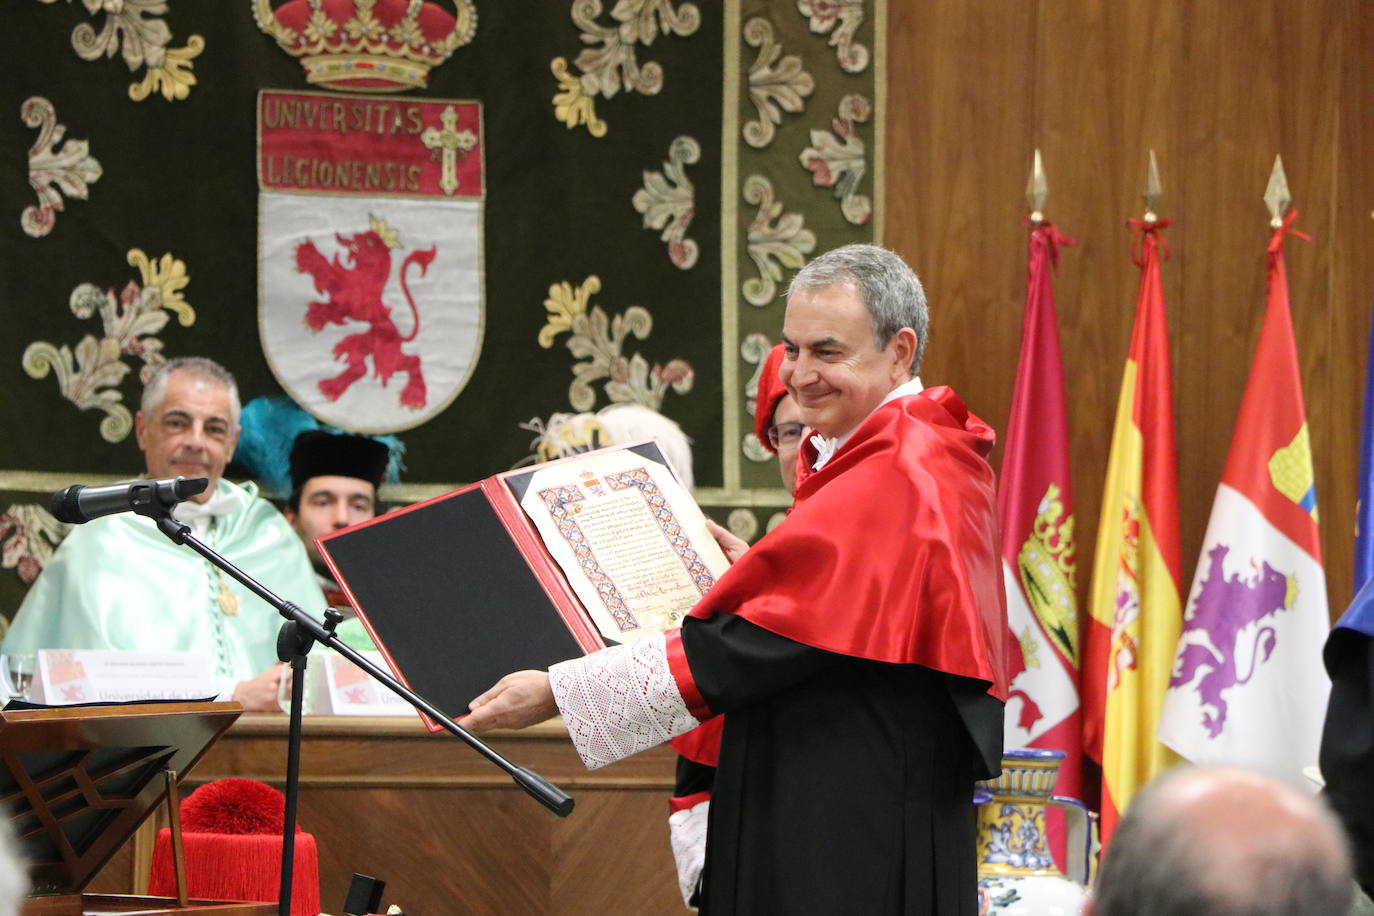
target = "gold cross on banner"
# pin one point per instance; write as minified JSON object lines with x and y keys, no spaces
{"x":450,"y":144}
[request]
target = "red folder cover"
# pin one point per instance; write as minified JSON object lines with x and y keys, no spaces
{"x":459,"y":590}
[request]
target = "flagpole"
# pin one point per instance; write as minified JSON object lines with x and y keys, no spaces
{"x":1037,"y":190}
{"x":1153,"y":191}
{"x":1276,"y":194}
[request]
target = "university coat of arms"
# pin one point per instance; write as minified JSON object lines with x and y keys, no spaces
{"x":369,"y":259}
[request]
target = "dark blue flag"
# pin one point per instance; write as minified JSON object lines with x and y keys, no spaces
{"x":1364,"y":494}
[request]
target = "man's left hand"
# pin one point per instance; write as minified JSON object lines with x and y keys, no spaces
{"x":518,"y":700}
{"x":731,"y":545}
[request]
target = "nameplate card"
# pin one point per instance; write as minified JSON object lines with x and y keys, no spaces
{"x":64,"y":676}
{"x":342,"y":688}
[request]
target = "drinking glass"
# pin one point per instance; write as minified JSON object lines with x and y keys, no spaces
{"x":18,"y":671}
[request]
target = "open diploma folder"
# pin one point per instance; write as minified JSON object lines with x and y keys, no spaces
{"x":527,"y":568}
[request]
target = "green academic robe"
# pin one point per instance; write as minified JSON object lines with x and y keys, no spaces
{"x":119,"y":583}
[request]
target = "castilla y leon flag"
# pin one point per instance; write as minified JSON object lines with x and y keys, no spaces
{"x":1035,"y":509}
{"x":1134,"y":607}
{"x":370,"y":253}
{"x":1248,"y":686}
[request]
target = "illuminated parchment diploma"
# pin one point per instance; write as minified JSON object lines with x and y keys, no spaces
{"x":631,"y":541}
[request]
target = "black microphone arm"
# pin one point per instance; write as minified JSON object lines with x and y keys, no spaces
{"x":79,"y":504}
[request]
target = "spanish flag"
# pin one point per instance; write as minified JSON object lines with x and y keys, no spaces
{"x":1134,"y":608}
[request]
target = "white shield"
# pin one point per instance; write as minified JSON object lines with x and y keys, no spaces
{"x":371,"y":288}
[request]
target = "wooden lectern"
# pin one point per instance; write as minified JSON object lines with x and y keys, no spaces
{"x":78,"y":781}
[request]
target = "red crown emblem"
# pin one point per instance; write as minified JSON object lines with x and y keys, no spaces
{"x":368,"y":45}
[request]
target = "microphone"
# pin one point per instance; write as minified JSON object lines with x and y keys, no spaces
{"x":78,"y":504}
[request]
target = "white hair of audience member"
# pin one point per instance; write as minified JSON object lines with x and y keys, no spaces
{"x":14,"y":874}
{"x":570,"y":433}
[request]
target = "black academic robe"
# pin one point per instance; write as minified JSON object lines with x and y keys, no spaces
{"x":1347,"y":747}
{"x":844,"y":785}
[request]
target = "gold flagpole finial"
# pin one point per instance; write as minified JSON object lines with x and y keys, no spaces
{"x":1037,"y":190}
{"x":1153,"y":191}
{"x":1276,"y":195}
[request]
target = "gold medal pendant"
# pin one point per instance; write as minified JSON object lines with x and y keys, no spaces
{"x":228,"y":601}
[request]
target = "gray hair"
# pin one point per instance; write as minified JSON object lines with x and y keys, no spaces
{"x":1216,"y":841}
{"x":890,"y":290}
{"x":203,"y":368}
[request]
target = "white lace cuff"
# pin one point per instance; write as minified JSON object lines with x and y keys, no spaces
{"x":620,"y":701}
{"x":687,"y":833}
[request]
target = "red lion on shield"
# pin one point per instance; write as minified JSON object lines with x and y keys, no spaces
{"x":354,"y":293}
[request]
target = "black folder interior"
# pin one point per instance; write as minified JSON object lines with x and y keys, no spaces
{"x":520,"y":483}
{"x":451,"y":598}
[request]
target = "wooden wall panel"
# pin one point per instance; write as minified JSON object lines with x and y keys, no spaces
{"x":1216,"y":90}
{"x":447,"y":831}
{"x":1352,"y":288}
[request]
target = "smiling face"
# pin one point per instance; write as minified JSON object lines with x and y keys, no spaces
{"x":190,"y":433}
{"x":832,"y":365}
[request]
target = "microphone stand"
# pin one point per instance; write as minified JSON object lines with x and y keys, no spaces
{"x":298,"y":635}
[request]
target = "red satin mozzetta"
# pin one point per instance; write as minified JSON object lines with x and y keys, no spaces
{"x":891,"y":550}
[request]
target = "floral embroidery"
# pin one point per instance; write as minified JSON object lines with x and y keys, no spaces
{"x":320,"y":27}
{"x":28,"y":534}
{"x":837,"y":160}
{"x":173,"y":78}
{"x":613,"y":66}
{"x":89,"y":376}
{"x":598,"y":341}
{"x":849,"y":14}
{"x":754,"y":350}
{"x":743,"y":524}
{"x":143,"y":42}
{"x":776,"y":240}
{"x":407,"y":32}
{"x":773,"y":83}
{"x":667,"y":201}
{"x":363,"y":24}
{"x":73,"y":169}
{"x":571,"y":105}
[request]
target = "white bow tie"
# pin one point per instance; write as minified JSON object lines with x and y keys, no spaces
{"x":825,"y":449}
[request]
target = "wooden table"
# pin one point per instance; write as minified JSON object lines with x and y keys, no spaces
{"x":448,"y":832}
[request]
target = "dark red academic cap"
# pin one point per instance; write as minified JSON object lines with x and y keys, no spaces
{"x":771,"y":391}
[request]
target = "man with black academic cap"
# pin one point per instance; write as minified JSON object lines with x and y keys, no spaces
{"x":334,"y":482}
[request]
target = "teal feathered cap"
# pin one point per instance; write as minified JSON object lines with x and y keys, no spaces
{"x":270,"y":426}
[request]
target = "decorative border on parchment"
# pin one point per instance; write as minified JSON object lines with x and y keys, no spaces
{"x":556,"y":500}
{"x":667,"y":523}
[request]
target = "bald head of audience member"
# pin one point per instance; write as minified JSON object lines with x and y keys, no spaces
{"x":1217,"y":841}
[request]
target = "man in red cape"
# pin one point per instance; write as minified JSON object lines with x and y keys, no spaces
{"x":859,"y":648}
